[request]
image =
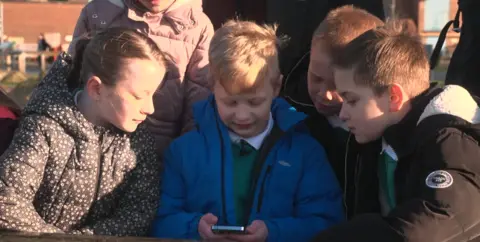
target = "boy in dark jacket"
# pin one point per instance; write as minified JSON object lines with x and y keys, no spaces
{"x":353,"y":164}
{"x":429,"y":170}
{"x":247,"y":164}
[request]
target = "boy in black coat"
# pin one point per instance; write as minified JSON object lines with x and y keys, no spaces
{"x":429,"y":170}
{"x":354,"y":164}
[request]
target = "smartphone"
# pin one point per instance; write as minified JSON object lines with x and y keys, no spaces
{"x":223,"y":229}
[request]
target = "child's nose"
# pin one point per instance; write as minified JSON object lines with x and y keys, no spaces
{"x":148,"y":108}
{"x":343,"y":115}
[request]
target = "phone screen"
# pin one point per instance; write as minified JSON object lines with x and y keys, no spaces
{"x":224,"y":229}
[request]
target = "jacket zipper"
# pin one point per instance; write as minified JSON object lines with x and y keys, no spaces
{"x":222,"y":173}
{"x":345,"y":180}
{"x":262,"y":188}
{"x":358,"y":168}
{"x":99,"y":175}
{"x":98,"y":181}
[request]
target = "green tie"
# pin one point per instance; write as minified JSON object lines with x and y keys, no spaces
{"x":386,"y":174}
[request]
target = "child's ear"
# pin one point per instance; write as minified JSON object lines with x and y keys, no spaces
{"x":397,"y":98}
{"x":93,"y":87}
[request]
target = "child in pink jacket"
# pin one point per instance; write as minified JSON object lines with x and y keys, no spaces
{"x":182,"y":30}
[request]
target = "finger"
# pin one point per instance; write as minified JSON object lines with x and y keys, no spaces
{"x":253,"y":227}
{"x":205,"y":230}
{"x":242,"y":238}
{"x":209,"y":234}
{"x":211,"y":219}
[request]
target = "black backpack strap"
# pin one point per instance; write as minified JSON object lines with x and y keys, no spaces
{"x":441,"y":39}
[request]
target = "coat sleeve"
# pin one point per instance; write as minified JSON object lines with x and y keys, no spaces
{"x":197,"y":85}
{"x":318,"y":202}
{"x":136,"y":209}
{"x":81,"y":28}
{"x":430,"y":213}
{"x":22,"y":168}
{"x":172,"y":220}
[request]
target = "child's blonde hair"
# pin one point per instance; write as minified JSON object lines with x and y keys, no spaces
{"x":243,"y":55}
{"x":342,"y":25}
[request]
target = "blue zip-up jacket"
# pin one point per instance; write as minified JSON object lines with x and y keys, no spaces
{"x":300,"y":195}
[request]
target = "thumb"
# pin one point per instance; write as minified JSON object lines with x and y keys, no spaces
{"x":253,"y":227}
{"x":210,"y":218}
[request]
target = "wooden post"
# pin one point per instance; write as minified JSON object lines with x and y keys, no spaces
{"x":22,"y":62}
{"x":8,"y":61}
{"x":43,"y":63}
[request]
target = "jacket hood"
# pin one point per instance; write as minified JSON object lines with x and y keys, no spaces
{"x":52,"y":98}
{"x":434,"y":110}
{"x":453,"y":100}
{"x":285,"y":116}
{"x":134,"y":4}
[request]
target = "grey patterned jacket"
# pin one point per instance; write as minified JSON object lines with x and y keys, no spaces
{"x":62,"y":174}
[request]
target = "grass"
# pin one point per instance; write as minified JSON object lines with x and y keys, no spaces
{"x":440,"y":83}
{"x":18,"y":86}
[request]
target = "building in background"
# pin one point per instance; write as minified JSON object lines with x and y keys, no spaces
{"x":24,"y":21}
{"x":430,"y":16}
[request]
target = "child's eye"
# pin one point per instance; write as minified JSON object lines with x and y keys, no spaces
{"x":256,"y":102}
{"x":351,"y":102}
{"x":317,"y":79}
{"x":231,"y":103}
{"x":137,"y":97}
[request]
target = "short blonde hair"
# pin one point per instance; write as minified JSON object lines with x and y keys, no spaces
{"x":342,"y":25}
{"x":243,"y":55}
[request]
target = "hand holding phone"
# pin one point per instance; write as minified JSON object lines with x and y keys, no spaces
{"x":257,"y":231}
{"x":205,"y":227}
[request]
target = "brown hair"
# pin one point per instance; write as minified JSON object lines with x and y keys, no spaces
{"x":342,"y":25}
{"x":386,"y":55}
{"x":105,"y":54}
{"x":243,"y":55}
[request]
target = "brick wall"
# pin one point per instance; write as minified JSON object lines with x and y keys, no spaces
{"x":28,"y":19}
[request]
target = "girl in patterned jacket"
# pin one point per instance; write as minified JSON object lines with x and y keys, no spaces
{"x":180,"y":29}
{"x":81,"y":162}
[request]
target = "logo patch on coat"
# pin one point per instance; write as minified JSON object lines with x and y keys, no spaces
{"x":439,"y":179}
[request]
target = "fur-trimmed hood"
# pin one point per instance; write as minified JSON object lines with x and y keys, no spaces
{"x":436,"y":109}
{"x":453,"y":100}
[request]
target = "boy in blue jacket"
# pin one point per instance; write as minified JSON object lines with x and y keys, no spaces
{"x":247,"y":164}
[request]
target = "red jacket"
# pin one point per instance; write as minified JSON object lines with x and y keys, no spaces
{"x":8,"y":124}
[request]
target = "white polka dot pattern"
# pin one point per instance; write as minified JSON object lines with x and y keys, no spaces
{"x":49,"y":175}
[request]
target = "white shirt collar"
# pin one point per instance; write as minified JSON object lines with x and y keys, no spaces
{"x":389,"y":150}
{"x":256,"y":141}
{"x":336,"y":122}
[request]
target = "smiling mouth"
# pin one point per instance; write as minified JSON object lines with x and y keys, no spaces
{"x":243,"y":126}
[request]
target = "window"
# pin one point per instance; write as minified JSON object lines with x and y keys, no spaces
{"x":436,"y":14}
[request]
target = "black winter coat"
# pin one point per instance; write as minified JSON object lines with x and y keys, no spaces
{"x":437,"y":178}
